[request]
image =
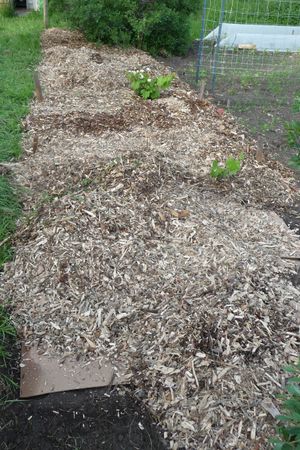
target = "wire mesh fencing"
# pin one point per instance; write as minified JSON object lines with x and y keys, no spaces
{"x":248,"y":56}
{"x":254,"y":36}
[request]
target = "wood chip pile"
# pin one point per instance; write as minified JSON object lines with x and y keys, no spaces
{"x":129,"y":248}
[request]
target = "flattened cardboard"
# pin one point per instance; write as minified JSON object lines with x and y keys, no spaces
{"x":41,"y":374}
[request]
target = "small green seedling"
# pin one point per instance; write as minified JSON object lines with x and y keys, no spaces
{"x":232,"y":167}
{"x":147,"y":87}
{"x":288,"y":432}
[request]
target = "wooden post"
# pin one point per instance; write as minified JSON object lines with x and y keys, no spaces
{"x":46,"y":17}
{"x":38,"y":88}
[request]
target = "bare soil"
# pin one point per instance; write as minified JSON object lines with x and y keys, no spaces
{"x":97,"y":419}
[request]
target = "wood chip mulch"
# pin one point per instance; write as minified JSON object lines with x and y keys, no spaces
{"x":128,"y":248}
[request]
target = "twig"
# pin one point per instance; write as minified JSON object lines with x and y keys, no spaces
{"x":292,"y":258}
{"x":195,"y":376}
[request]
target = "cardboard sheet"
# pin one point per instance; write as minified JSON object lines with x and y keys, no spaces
{"x":41,"y":374}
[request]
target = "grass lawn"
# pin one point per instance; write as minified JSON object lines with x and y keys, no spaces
{"x":272,"y":12}
{"x":19,"y":54}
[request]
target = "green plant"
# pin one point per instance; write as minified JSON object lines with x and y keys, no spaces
{"x":20,"y":50}
{"x":157,"y":26}
{"x":7,"y":10}
{"x":232,"y":167}
{"x":7,"y":330}
{"x":7,"y":337}
{"x":296,"y":104}
{"x":293,"y":134}
{"x":147,"y":87}
{"x":289,"y":430}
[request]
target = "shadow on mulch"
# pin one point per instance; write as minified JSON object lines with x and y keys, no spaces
{"x":91,"y":419}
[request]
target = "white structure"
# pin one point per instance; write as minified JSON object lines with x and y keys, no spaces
{"x":32,"y":4}
{"x":268,"y":38}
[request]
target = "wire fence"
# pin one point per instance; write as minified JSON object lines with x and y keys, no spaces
{"x":247,"y":35}
{"x":247,"y":57}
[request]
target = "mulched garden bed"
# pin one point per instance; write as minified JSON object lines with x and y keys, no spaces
{"x":128,"y":248}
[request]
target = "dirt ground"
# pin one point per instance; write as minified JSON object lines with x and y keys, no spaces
{"x":98,"y":419}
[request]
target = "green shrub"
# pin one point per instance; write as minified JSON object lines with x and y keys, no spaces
{"x":157,"y":26}
{"x":163,"y":31}
{"x":58,"y":6}
{"x":108,"y":21}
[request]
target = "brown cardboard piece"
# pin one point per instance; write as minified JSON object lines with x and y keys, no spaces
{"x":41,"y":374}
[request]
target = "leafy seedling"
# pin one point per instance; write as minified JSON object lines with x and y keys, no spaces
{"x":232,"y":167}
{"x":147,"y":87}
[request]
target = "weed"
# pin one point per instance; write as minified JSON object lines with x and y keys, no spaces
{"x":289,"y":430}
{"x":9,"y":212}
{"x":232,"y":167}
{"x":293,"y":134}
{"x":268,"y":126}
{"x":296,"y":104}
{"x":7,"y":333}
{"x":147,"y":87}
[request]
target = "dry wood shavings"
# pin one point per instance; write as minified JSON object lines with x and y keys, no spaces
{"x":134,"y":252}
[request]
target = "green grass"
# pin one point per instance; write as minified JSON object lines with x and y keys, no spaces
{"x":7,"y":331}
{"x":19,"y":55}
{"x":251,"y":11}
{"x":9,"y":212}
{"x":7,"y":338}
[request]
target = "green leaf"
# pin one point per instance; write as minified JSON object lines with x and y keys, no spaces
{"x":293,"y":389}
{"x":164,"y":82}
{"x":217,"y":171}
{"x":135,"y":85}
{"x":145,"y":94}
{"x":233,"y":165}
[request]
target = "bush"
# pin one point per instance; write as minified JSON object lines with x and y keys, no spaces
{"x":163,"y":31}
{"x":157,"y":26}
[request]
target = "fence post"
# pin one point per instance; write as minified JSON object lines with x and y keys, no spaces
{"x":216,"y":52}
{"x":46,"y":18}
{"x":201,"y":43}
